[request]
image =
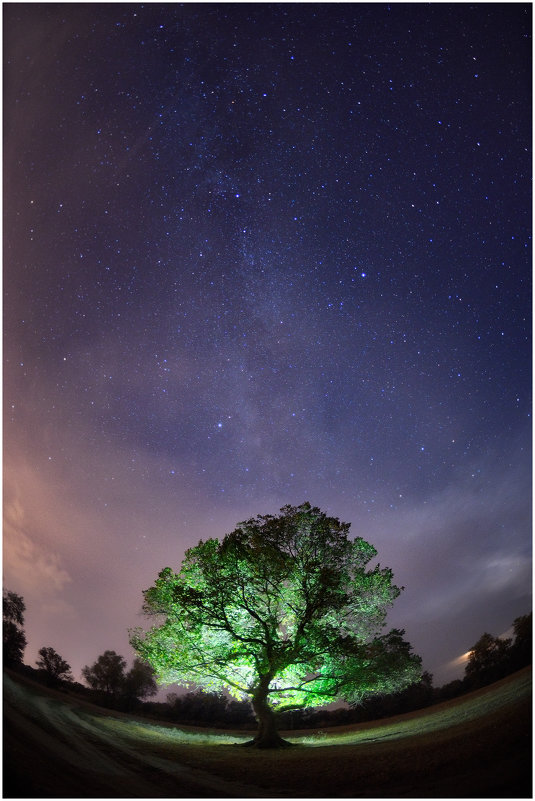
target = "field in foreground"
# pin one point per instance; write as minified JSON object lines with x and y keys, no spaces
{"x":473,"y":747}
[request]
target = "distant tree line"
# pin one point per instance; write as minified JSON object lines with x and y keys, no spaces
{"x":489,"y":660}
{"x":110,"y":684}
{"x":200,"y":708}
{"x":492,"y":658}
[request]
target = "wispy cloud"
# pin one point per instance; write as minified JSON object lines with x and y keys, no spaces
{"x":30,"y":567}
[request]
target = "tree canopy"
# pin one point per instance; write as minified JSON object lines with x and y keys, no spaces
{"x":53,"y":664}
{"x":107,"y":673}
{"x":488,"y":658}
{"x":522,"y":649}
{"x":13,"y":637}
{"x":139,"y":681}
{"x":492,"y":658}
{"x":284,"y":611}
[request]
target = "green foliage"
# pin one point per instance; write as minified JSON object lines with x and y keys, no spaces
{"x":13,"y":637}
{"x":283,"y":608}
{"x":54,"y":665}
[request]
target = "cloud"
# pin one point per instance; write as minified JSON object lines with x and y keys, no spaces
{"x":463,"y":555}
{"x":30,"y":567}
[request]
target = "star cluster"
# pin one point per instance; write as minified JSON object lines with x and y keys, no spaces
{"x":262,"y":254}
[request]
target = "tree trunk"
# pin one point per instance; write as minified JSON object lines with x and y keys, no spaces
{"x":267,"y":735}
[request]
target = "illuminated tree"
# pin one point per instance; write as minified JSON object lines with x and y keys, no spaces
{"x":282,"y":611}
{"x":54,"y":665}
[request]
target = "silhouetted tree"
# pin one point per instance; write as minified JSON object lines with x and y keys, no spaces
{"x":417,"y":696}
{"x":282,"y":611}
{"x":139,"y":681}
{"x":14,"y":639}
{"x":488,"y":661}
{"x":107,"y":673}
{"x":452,"y":689}
{"x":238,"y":712}
{"x":54,"y":665}
{"x":202,"y":707}
{"x":522,"y":647}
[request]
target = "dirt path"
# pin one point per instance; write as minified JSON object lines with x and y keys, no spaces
{"x":475,"y":746}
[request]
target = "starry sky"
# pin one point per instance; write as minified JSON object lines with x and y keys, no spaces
{"x":258,"y":254}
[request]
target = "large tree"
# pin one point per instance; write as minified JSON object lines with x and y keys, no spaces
{"x":283,"y":611}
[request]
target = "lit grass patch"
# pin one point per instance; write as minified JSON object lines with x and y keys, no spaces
{"x":160,"y":735}
{"x":425,"y":721}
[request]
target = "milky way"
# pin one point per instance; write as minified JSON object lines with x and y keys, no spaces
{"x":257,"y":255}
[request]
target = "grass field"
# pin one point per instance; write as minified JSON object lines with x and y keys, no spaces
{"x":477,"y":746}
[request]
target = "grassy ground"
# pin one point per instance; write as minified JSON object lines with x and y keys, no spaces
{"x":473,"y":747}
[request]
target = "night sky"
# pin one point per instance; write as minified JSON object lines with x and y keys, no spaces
{"x":259,"y":254}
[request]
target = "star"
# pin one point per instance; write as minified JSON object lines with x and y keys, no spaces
{"x":300,"y":245}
